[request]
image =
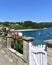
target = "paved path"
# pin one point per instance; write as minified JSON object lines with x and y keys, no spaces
{"x":49,"y":56}
{"x":4,"y":59}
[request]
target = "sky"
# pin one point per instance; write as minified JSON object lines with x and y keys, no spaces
{"x":23,"y":10}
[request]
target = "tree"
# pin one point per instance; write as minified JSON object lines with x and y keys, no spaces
{"x":27,"y":24}
{"x":6,"y":24}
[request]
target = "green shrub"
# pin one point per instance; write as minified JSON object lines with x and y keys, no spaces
{"x":19,"y":46}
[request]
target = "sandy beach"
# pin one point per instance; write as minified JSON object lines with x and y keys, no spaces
{"x":27,"y":30}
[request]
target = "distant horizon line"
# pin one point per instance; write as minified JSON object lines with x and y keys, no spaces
{"x":28,"y":20}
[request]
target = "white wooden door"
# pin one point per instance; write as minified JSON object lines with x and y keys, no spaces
{"x":37,"y":55}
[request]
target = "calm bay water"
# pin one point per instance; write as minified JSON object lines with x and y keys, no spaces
{"x":39,"y":35}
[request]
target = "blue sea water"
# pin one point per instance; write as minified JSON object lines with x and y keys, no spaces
{"x":39,"y":35}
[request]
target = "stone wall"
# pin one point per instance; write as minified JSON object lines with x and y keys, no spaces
{"x":19,"y":59}
{"x":15,"y":56}
{"x":49,"y":55}
{"x":49,"y":51}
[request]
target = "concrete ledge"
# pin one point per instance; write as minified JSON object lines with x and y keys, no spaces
{"x":48,"y":41}
{"x":15,"y":52}
{"x":28,"y":38}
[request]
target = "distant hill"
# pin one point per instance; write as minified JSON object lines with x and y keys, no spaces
{"x":26,"y":25}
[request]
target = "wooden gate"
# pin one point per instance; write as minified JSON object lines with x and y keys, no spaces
{"x":37,"y":54}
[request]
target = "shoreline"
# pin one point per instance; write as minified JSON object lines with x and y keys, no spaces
{"x":23,"y":30}
{"x":30,"y":29}
{"x":27,"y":30}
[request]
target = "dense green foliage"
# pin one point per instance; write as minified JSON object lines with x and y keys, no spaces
{"x":19,"y":46}
{"x":26,"y":25}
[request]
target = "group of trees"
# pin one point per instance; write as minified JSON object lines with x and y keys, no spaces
{"x":27,"y":25}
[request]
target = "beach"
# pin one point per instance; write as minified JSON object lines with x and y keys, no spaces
{"x":27,"y":30}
